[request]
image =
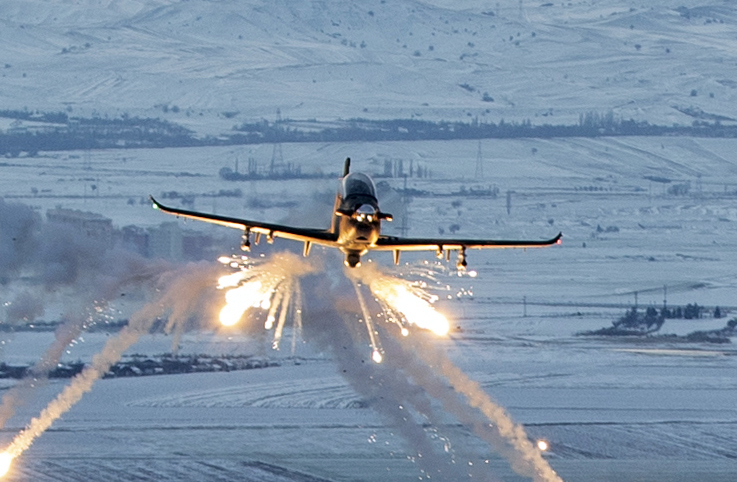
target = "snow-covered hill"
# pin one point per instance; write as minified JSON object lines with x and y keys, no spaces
{"x":211,"y":64}
{"x":646,"y":220}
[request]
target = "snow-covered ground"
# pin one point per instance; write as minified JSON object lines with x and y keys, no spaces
{"x":612,"y":409}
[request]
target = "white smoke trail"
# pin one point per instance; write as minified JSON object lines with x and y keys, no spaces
{"x":284,"y":302}
{"x":23,"y":390}
{"x":130,"y":271}
{"x":180,"y":295}
{"x":297,"y":317}
{"x":376,"y":350}
{"x":405,"y":381}
{"x":330,"y":322}
{"x":432,"y":370}
{"x":57,"y":263}
{"x":402,"y":360}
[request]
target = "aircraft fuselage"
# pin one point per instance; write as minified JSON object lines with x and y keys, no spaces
{"x":357,"y":218}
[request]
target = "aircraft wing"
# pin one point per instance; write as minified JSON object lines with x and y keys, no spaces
{"x":393,"y":243}
{"x":318,"y":236}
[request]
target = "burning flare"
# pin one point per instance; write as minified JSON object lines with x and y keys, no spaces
{"x":400,"y":297}
{"x":271,"y":285}
{"x":240,"y":299}
{"x":6,"y":458}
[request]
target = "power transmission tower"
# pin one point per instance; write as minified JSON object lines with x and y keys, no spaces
{"x":405,"y":209}
{"x":479,"y":164}
{"x":277,"y":157}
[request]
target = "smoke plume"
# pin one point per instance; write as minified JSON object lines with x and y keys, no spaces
{"x":431,"y":369}
{"x":53,"y":263}
{"x":414,"y":375}
{"x":179,"y":294}
{"x":331,"y":320}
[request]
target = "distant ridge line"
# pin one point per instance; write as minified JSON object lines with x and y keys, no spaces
{"x":56,"y":132}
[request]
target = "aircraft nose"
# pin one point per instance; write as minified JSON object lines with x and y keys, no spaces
{"x":365,"y":212}
{"x":366,"y":209}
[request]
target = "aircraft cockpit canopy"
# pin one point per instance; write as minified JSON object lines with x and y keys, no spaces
{"x":358,"y":184}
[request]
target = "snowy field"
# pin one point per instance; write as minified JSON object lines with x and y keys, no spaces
{"x":611,"y":409}
{"x":608,"y":415}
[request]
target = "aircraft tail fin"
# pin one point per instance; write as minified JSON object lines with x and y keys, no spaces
{"x":347,"y":166}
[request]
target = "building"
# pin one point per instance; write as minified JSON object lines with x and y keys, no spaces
{"x":92,"y":225}
{"x":165,"y":241}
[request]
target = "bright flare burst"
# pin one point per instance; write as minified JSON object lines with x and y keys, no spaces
{"x":271,"y":285}
{"x":402,"y":302}
{"x":180,"y":297}
{"x":543,"y":445}
{"x":249,"y":295}
{"x":406,"y":298}
{"x":377,"y":356}
{"x":6,"y":458}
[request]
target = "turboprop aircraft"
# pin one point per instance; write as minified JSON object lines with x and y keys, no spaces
{"x":355,"y":229}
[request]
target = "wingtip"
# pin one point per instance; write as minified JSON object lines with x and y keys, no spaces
{"x":559,"y":238}
{"x":154,"y":202}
